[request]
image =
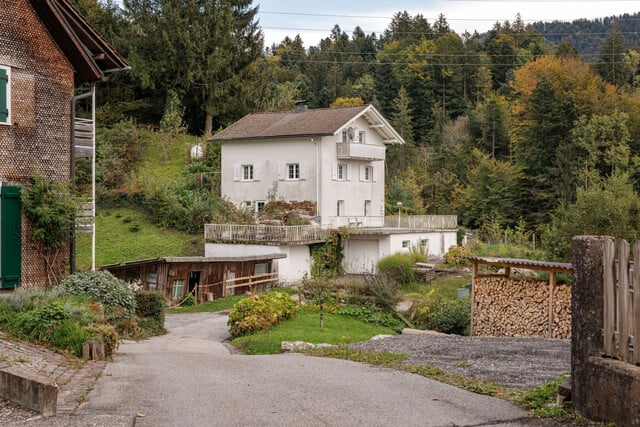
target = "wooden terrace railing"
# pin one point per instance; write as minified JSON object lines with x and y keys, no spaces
{"x":622,"y":302}
{"x":257,"y":282}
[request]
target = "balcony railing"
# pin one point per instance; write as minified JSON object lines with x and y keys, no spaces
{"x":414,"y":222}
{"x":358,"y":151}
{"x":262,"y":233}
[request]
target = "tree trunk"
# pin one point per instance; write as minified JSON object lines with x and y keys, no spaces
{"x":208,"y":125}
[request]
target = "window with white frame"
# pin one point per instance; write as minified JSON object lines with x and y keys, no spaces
{"x":367,"y":207}
{"x":247,"y":172}
{"x":366,"y":173}
{"x":260,"y":205}
{"x":340,"y":208}
{"x":341,"y":172}
{"x":247,"y":204}
{"x":293,"y":171}
{"x":361,"y":137}
{"x":5,"y":95}
{"x":406,"y":243}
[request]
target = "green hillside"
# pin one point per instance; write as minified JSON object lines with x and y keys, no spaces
{"x":127,"y":235}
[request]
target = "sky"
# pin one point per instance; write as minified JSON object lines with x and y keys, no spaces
{"x":314,"y":20}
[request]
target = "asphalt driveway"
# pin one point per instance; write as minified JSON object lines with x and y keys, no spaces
{"x":189,"y":378}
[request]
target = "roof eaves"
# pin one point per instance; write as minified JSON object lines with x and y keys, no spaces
{"x":267,"y":137}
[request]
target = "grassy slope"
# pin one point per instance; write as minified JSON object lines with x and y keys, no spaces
{"x":153,"y":169}
{"x":116,"y":240}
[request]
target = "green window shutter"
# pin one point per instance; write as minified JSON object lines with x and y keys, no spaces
{"x":10,"y":238}
{"x":4,"y":95}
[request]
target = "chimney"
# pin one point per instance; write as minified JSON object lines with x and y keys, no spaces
{"x":301,"y":106}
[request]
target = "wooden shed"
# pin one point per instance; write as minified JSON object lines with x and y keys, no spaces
{"x":207,"y":278}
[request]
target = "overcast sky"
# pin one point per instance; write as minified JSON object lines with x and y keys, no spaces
{"x":313,"y":20}
{"x":305,"y":17}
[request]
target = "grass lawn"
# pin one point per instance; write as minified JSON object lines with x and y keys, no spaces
{"x":305,"y":326}
{"x":126,"y":235}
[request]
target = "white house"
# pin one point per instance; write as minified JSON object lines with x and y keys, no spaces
{"x":333,"y":158}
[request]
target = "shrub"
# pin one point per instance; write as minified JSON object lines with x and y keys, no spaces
{"x":451,"y":316}
{"x":69,"y":335}
{"x":454,"y":255}
{"x":105,"y":333}
{"x":40,"y":323}
{"x":105,"y":288}
{"x":399,"y":266}
{"x":260,"y":312}
{"x":150,"y":311}
{"x":150,"y":304}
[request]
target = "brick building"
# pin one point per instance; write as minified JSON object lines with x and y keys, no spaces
{"x":47,"y":49}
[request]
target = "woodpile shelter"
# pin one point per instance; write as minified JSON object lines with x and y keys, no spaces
{"x":507,"y":306}
{"x":207,"y":278}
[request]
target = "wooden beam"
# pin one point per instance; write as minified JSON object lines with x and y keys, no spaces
{"x":552,"y":284}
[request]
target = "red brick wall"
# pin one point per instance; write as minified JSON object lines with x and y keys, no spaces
{"x":39,"y":140}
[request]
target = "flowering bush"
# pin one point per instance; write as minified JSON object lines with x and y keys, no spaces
{"x":259,"y":312}
{"x":454,"y":255}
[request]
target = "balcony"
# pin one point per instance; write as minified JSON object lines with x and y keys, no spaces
{"x":262,"y":234}
{"x":412,"y":222}
{"x":357,"y":151}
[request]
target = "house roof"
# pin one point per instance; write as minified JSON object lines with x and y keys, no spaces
{"x":88,"y":52}
{"x":561,"y":267}
{"x":195,"y":259}
{"x":307,"y":123}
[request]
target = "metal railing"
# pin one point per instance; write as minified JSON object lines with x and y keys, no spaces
{"x":427,"y":222}
{"x":262,"y":233}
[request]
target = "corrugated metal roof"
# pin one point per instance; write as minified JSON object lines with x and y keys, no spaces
{"x":197,"y":259}
{"x":523,"y":263}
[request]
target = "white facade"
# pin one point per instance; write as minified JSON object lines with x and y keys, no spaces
{"x":362,"y":251}
{"x":343,"y":173}
{"x":290,"y":269}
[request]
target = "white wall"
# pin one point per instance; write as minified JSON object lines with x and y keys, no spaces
{"x":268,"y":157}
{"x":290,"y":269}
{"x":361,"y":255}
{"x":362,"y":252}
{"x":352,"y":190}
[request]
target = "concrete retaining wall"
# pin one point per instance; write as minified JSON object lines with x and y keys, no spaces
{"x":32,"y":391}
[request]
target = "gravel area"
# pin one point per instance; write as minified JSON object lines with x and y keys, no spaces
{"x":11,"y":412}
{"x":512,"y":362}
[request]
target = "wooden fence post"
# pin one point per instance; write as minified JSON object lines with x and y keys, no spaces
{"x":587,"y":312}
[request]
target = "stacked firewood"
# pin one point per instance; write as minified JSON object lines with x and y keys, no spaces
{"x":510,"y":307}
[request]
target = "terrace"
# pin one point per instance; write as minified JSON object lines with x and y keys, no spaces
{"x":305,"y":234}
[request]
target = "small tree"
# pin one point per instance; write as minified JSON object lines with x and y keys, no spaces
{"x":50,"y":207}
{"x":320,"y":290}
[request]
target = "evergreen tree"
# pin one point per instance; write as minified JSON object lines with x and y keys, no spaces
{"x":611,"y":65}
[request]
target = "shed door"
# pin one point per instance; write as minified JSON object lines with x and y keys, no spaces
{"x":10,"y":238}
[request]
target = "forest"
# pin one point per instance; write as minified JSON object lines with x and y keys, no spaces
{"x":516,"y":132}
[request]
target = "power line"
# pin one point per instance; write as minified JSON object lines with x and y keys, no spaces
{"x":328,"y":15}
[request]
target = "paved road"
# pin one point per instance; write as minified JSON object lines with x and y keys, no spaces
{"x":189,"y":378}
